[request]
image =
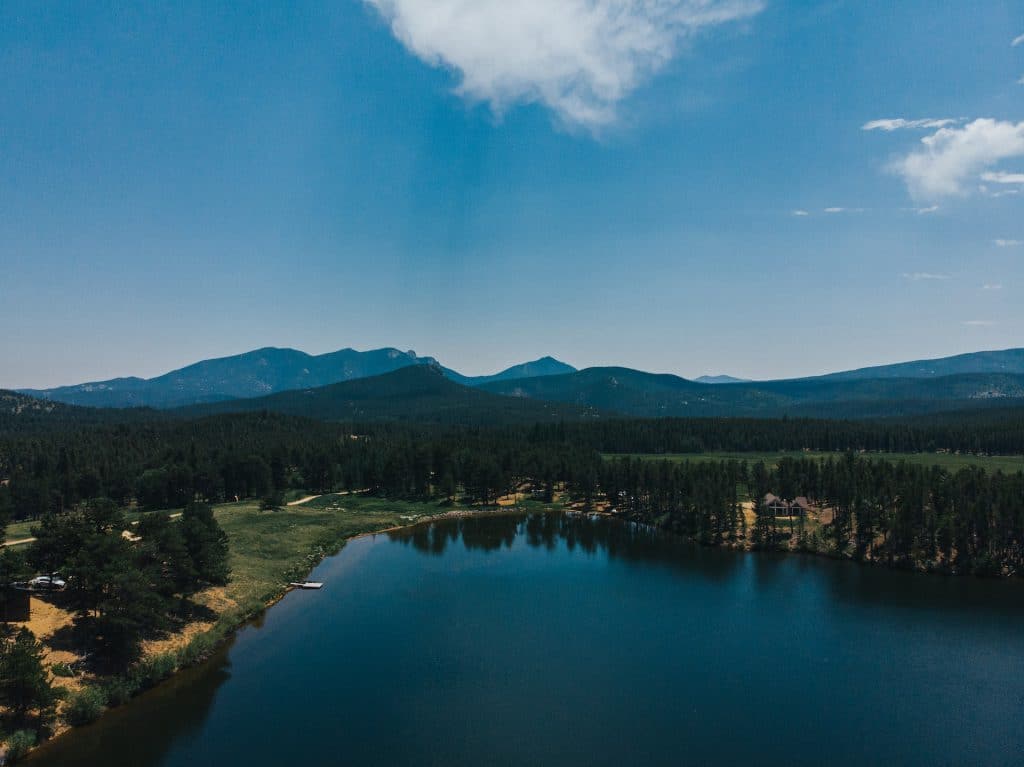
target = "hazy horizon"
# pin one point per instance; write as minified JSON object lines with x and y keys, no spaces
{"x":481,"y":372}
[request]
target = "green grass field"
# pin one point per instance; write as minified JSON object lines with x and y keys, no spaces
{"x":270,"y":548}
{"x":949,"y":461}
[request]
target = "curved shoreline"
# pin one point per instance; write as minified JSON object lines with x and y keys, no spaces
{"x":220,"y":633}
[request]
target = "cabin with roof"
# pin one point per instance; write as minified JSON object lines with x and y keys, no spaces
{"x":780,"y":507}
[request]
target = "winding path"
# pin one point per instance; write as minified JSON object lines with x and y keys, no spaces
{"x":301,"y":501}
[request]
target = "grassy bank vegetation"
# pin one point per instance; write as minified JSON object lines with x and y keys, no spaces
{"x":266,"y":550}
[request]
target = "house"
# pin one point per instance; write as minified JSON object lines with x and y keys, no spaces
{"x":780,"y":507}
{"x":804,"y":505}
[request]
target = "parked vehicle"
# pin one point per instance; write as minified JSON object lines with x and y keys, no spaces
{"x":47,"y":583}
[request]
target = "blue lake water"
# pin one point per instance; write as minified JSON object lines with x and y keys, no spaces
{"x":560,"y":640}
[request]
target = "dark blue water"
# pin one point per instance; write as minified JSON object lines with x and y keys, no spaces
{"x":567,"y":641}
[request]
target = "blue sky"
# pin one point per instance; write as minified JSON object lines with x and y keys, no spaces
{"x":609,"y":183}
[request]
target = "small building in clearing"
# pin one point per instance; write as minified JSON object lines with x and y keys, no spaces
{"x":780,"y":507}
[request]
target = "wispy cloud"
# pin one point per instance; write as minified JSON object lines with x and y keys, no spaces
{"x":1008,"y":243}
{"x":950,"y":157}
{"x":917,"y":276}
{"x":899,"y":123}
{"x":925,"y":211}
{"x":801,"y":213}
{"x":1001,"y":177}
{"x":991,"y":286}
{"x":844,"y":210}
{"x":579,"y":58}
{"x":1017,"y":40}
{"x":980,"y":323}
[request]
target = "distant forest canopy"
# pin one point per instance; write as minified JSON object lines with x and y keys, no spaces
{"x":48,"y":463}
{"x":901,"y":513}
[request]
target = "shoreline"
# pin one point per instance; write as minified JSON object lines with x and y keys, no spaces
{"x":202,"y":645}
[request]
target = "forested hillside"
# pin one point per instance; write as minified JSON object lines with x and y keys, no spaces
{"x":647,"y":395}
{"x":420,"y":393}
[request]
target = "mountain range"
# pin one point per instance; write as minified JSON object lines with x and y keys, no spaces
{"x":647,"y":395}
{"x":265,"y":371}
{"x":391,"y":384}
{"x":421,"y":393}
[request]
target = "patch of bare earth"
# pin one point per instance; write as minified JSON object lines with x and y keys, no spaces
{"x":216,"y":599}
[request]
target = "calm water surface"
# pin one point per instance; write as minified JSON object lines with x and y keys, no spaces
{"x":567,"y":641}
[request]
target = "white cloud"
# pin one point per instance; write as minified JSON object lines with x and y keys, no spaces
{"x":579,"y":58}
{"x":916,"y":276}
{"x":1008,"y":243}
{"x":1018,"y":40}
{"x":925,"y":211}
{"x":844,"y":210}
{"x":801,"y":213}
{"x":1021,"y":80}
{"x":1001,"y":177}
{"x":979,"y":323}
{"x":898,"y":123}
{"x":991,"y":286}
{"x":951,"y":156}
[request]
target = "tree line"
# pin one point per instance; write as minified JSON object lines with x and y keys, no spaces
{"x":899,"y":513}
{"x":969,"y":520}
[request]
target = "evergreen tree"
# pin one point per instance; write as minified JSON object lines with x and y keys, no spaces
{"x":206,"y":542}
{"x":24,"y":681}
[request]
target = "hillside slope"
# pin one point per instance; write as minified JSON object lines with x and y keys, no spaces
{"x":253,"y":374}
{"x":652,"y":395}
{"x":545,"y":366}
{"x":22,"y":413}
{"x":1007,"y":361}
{"x":419,"y":393}
{"x":265,"y":371}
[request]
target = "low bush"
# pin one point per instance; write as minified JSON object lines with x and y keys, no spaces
{"x":62,"y":670}
{"x":84,"y":706}
{"x":152,"y":671}
{"x":197,"y":650}
{"x":119,"y":691}
{"x":19,"y":744}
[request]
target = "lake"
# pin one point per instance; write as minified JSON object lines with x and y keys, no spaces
{"x":551,"y":639}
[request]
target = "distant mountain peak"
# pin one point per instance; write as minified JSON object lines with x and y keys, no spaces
{"x":268,"y":370}
{"x":720,"y":379}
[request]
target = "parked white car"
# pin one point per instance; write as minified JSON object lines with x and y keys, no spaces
{"x":47,"y":583}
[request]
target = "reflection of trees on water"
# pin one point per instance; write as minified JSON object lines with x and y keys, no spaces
{"x":625,"y":541}
{"x":476,"y":533}
{"x":147,"y":727}
{"x":542,"y":530}
{"x":633,"y":543}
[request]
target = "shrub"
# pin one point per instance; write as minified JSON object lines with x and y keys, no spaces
{"x":153,"y":670}
{"x":62,"y":669}
{"x":197,"y":650}
{"x":120,"y":691}
{"x":19,"y":744}
{"x":84,"y":706}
